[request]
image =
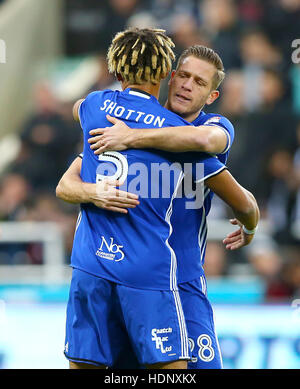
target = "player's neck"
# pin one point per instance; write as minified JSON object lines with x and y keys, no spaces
{"x":148,"y":87}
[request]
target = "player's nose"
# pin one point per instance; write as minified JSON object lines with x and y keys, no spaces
{"x":187,"y":84}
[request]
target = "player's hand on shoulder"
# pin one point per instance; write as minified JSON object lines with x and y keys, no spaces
{"x":116,"y":137}
{"x":108,"y":197}
{"x":238,"y":238}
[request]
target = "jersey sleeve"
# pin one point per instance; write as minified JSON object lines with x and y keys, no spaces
{"x":225,"y":125}
{"x":87,"y":106}
{"x":207,"y":167}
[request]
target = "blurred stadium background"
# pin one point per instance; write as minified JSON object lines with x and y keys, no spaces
{"x":53,"y":52}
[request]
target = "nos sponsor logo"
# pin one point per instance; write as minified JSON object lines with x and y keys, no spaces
{"x":110,"y":250}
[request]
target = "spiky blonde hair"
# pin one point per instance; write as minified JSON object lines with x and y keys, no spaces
{"x":141,"y":55}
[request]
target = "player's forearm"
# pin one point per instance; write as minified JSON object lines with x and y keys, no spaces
{"x":248,"y":214}
{"x":73,"y":190}
{"x":174,"y":139}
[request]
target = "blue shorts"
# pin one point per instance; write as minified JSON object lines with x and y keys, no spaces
{"x":104,"y":319}
{"x":199,"y":319}
{"x":201,"y":329}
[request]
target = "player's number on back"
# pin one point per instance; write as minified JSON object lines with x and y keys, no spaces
{"x":206,"y":352}
{"x":120,"y":162}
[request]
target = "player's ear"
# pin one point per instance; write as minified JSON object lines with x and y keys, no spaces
{"x":172,"y":76}
{"x":119,"y":77}
{"x":212,"y":97}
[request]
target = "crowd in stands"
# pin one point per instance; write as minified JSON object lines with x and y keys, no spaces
{"x":259,"y":96}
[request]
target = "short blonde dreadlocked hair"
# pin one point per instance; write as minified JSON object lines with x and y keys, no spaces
{"x":141,"y":55}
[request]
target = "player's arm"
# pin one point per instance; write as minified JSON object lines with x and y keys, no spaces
{"x":209,"y":139}
{"x":243,"y":205}
{"x":75,"y":109}
{"x":104,"y":194}
{"x":71,"y":188}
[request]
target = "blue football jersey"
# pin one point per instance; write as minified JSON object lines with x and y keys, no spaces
{"x":189,"y":236}
{"x":212,"y":119}
{"x":133,"y":249}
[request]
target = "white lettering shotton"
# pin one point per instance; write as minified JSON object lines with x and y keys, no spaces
{"x":124,"y":113}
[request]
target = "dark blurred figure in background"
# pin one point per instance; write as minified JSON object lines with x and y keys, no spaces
{"x":281,"y":21}
{"x":220,"y":20}
{"x":90,"y":25}
{"x":215,"y":260}
{"x":291,"y":273}
{"x":105,"y":80}
{"x":14,"y":192}
{"x":268,"y":263}
{"x":48,"y":141}
{"x":260,"y":129}
{"x":119,"y":12}
{"x":283,"y":189}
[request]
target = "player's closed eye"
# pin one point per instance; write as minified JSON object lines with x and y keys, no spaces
{"x":183,"y":75}
{"x":201,"y":83}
